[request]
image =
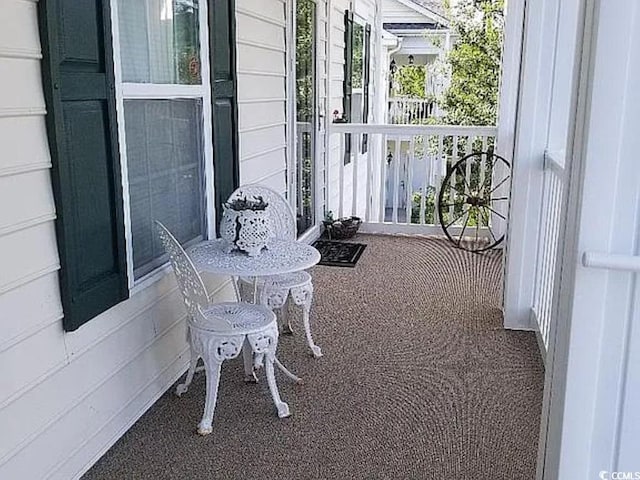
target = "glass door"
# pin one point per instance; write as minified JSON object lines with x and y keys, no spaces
{"x":306,"y":116}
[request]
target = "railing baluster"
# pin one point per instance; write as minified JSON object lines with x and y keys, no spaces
{"x":396,"y":177}
{"x":411,"y":162}
{"x":556,"y":212}
{"x":355,"y":144}
{"x":341,"y":175}
{"x":454,"y":159}
{"x":367,"y":211}
{"x":469,"y":163}
{"x":548,"y":256}
{"x":483,"y":162}
{"x":383,"y":178}
{"x":425,"y":178}
{"x":439,"y":168}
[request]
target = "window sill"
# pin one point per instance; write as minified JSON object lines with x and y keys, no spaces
{"x":150,"y":279}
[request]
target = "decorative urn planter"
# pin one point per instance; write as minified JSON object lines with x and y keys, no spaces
{"x":246,"y":225}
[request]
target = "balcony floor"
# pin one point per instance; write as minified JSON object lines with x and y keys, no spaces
{"x":418,"y":381}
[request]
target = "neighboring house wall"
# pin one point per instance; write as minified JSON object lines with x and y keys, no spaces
{"x":67,"y":397}
{"x":424,"y":45}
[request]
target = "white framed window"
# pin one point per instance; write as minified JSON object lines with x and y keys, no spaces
{"x":163,"y":102}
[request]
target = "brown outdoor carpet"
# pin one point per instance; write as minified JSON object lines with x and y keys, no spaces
{"x":418,"y":381}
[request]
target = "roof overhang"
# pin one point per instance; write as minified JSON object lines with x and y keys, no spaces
{"x":389,"y":40}
{"x":427,"y":12}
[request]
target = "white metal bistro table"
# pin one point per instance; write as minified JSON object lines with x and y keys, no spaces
{"x":281,"y":257}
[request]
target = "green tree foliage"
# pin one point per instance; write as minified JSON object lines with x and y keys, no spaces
{"x":357,"y":56}
{"x":187,"y":41}
{"x":304,"y":59}
{"x":409,"y":81}
{"x":472,"y":97}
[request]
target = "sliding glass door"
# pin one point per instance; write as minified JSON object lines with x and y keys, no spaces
{"x":306,"y":113}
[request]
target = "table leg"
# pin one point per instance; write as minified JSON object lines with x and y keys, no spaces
{"x":247,"y":357}
{"x":285,"y":320}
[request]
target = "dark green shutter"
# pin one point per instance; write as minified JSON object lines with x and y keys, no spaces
{"x":367,"y":78}
{"x":81,"y":124}
{"x":347,"y":84}
{"x":224,"y":98}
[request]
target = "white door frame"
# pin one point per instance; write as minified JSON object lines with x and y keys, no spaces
{"x":594,"y":428}
{"x":511,"y":70}
{"x":532,"y":136}
{"x":530,"y":139}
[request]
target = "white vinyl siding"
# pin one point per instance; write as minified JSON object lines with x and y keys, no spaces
{"x":65,"y":398}
{"x":261,"y":32}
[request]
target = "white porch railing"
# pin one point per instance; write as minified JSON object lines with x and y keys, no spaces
{"x":394,"y":186}
{"x":550,"y":223}
{"x":403,"y":111}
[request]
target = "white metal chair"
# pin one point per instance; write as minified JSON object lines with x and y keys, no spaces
{"x":297,"y":286}
{"x":219,"y":332}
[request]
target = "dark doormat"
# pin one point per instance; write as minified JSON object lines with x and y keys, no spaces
{"x":339,"y":254}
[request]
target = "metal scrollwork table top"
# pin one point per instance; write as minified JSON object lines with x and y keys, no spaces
{"x":282,"y":256}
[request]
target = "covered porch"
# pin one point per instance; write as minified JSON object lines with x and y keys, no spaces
{"x":418,"y":380}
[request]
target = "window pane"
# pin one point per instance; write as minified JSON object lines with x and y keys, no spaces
{"x":159,"y":41}
{"x":166,"y":175}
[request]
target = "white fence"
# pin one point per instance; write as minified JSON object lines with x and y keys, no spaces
{"x":403,"y":111}
{"x":394,"y":186}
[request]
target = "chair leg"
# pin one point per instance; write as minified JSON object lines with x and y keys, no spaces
{"x":282,"y":407}
{"x":303,"y":296}
{"x":247,"y":357}
{"x":183,"y":387}
{"x":286,"y":371}
{"x":213,"y":380}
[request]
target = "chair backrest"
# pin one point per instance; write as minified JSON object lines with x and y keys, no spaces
{"x":190,"y":283}
{"x":283,"y":218}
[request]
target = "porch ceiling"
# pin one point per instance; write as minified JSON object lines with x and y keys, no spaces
{"x":418,"y":380}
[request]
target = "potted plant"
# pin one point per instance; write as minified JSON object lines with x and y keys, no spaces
{"x":246,"y":225}
{"x":342,"y":228}
{"x":337,"y":118}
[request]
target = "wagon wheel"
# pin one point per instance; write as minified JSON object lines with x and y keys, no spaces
{"x":470,"y":194}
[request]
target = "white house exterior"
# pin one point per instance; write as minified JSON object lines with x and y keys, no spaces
{"x":66,"y":397}
{"x":423,"y":37}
